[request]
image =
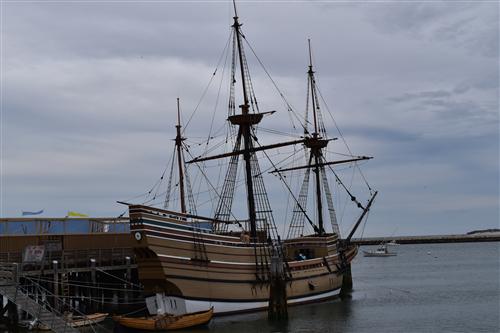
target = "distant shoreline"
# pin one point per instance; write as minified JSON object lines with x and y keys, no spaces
{"x":464,"y":238}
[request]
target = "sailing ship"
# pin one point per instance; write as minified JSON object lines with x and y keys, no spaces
{"x":190,"y":263}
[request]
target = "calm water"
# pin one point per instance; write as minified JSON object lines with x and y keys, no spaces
{"x":455,"y":288}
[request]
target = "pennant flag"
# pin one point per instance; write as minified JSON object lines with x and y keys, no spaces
{"x":32,"y":213}
{"x":76,"y":214}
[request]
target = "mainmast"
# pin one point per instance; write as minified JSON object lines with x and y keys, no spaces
{"x":260,"y":223}
{"x":245,"y":121}
{"x":310,"y":76}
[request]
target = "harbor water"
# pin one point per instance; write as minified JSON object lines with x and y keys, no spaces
{"x":425,"y":288}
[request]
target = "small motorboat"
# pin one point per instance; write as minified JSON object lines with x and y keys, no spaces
{"x":393,"y":243}
{"x":166,"y":321}
{"x":381,"y":251}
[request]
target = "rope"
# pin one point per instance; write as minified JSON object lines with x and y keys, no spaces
{"x":343,"y":139}
{"x":289,"y":106}
{"x":208,"y":85}
{"x":90,"y":287}
{"x":135,"y":311}
{"x":289,"y":189}
{"x":118,"y":278}
{"x":214,"y":189}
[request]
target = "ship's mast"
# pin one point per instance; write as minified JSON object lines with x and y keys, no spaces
{"x":316,"y":142}
{"x":186,"y":199}
{"x":313,"y":144}
{"x":260,"y":218}
{"x":178,"y":146}
{"x":245,"y":124}
{"x":310,"y":76}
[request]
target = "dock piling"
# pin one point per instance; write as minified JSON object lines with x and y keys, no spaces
{"x":277,"y":309}
{"x":92,"y":291}
{"x":55,"y":285}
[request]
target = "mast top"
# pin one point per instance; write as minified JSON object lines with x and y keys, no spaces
{"x":310,"y":54}
{"x":314,"y":100}
{"x":178,"y":114}
{"x":235,"y":12}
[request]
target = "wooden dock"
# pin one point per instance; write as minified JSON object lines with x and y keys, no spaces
{"x":82,"y":265}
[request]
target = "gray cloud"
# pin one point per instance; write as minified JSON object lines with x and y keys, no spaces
{"x":422,"y":95}
{"x":469,"y":25}
{"x":90,"y":89}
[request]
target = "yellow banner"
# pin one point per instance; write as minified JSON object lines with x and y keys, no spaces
{"x":76,"y":214}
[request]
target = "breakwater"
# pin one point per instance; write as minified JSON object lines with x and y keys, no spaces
{"x":463,"y":238}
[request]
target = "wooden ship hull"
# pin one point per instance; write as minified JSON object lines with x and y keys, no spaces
{"x":225,"y":275}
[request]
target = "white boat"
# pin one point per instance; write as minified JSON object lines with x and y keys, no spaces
{"x":381,"y":251}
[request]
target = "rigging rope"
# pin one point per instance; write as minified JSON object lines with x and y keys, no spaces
{"x":118,"y":278}
{"x":289,"y":106}
{"x":213,"y":188}
{"x":208,"y":85}
{"x":344,"y":140}
{"x":288,"y":188}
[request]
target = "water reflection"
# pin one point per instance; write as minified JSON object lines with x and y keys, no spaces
{"x":413,"y":292}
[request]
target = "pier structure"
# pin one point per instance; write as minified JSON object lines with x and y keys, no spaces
{"x":19,"y":295}
{"x":71,"y":265}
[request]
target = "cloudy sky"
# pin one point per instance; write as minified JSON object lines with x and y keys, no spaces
{"x":89,"y":89}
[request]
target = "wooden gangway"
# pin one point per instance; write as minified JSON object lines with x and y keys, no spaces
{"x":39,"y":309}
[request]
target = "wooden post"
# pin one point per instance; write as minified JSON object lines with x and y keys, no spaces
{"x":13,"y":317}
{"x":346,"y":281}
{"x":77,"y":304}
{"x":128,"y":278}
{"x":277,"y":292}
{"x":56,"y":285}
{"x":93,"y":290}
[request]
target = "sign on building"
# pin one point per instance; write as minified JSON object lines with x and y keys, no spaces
{"x":33,"y":253}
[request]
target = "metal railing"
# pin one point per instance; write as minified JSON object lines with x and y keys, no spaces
{"x":73,"y":258}
{"x":39,"y":306}
{"x":45,"y":304}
